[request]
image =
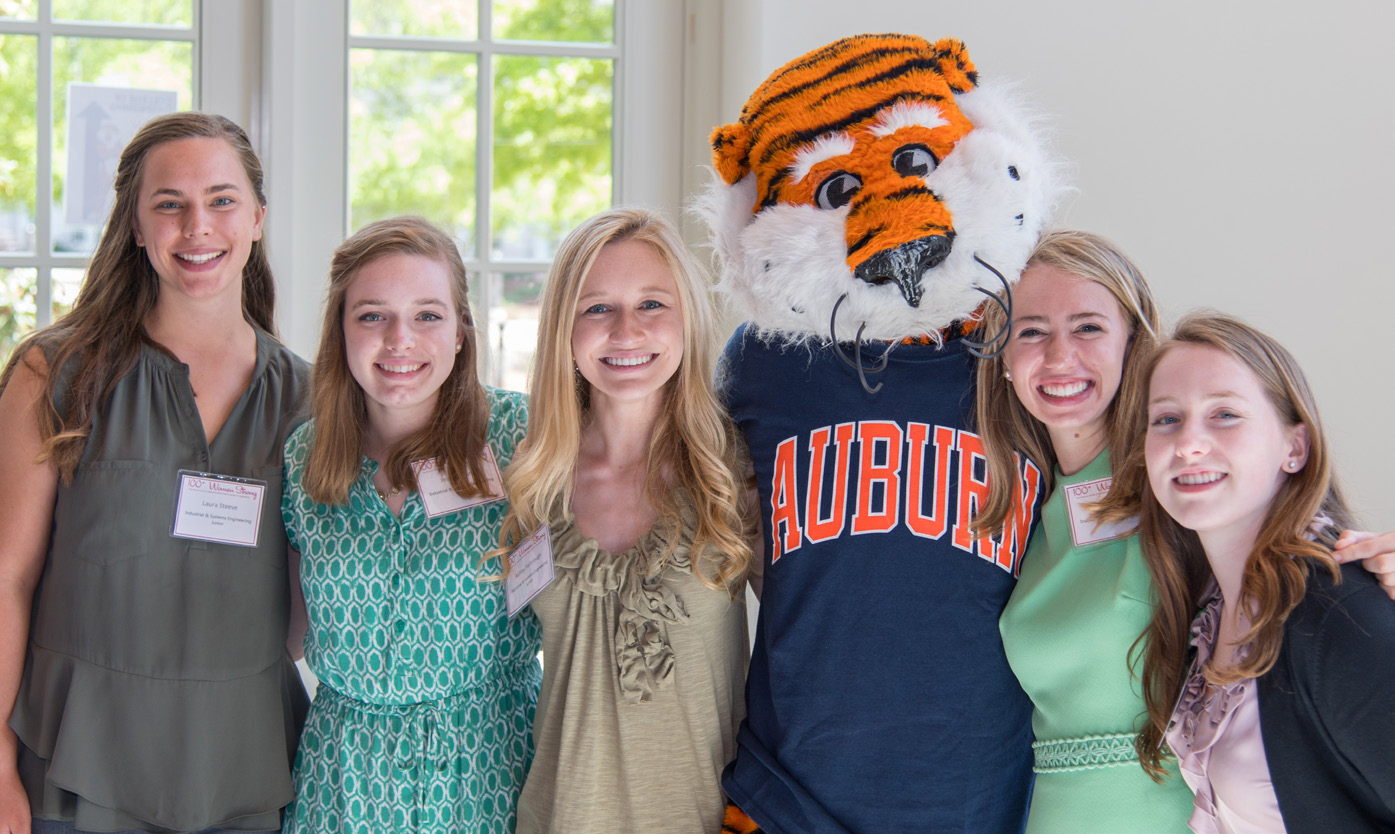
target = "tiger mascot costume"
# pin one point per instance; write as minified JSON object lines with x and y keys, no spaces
{"x":869,"y":199}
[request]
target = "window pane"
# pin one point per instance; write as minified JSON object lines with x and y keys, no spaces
{"x":19,"y":137}
{"x":591,"y":21}
{"x":18,"y":9}
{"x":65,"y":286}
{"x":412,"y":138}
{"x":18,"y":291}
{"x":148,"y":12}
{"x":419,"y":18}
{"x":512,"y":330}
{"x":552,"y":155}
{"x":141,"y":64}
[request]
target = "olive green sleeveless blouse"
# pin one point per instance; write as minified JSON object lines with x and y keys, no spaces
{"x":157,"y":690}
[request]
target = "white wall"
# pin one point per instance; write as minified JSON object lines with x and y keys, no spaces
{"x":1239,"y":151}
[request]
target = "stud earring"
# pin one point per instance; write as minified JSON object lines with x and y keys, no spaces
{"x":1007,"y":374}
{"x":1293,"y":466}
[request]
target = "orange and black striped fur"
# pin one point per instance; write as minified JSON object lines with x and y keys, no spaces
{"x":872,"y":170}
{"x":736,"y":822}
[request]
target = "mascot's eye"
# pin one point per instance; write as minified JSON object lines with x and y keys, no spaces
{"x":913,"y":161}
{"x":837,"y":190}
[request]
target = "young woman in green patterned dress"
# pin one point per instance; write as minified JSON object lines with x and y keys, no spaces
{"x":422,"y":721}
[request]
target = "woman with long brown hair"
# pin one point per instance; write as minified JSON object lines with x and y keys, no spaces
{"x":144,"y":600}
{"x":427,"y":686}
{"x":635,"y":471}
{"x":1284,"y":717}
{"x":1066,"y":394}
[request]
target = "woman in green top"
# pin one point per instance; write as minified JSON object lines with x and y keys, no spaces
{"x":144,"y":652}
{"x":636,"y":470}
{"x":427,"y":687}
{"x":1062,"y":393}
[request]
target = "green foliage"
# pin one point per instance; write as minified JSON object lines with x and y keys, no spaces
{"x":552,"y":145}
{"x":412,"y":137}
{"x":413,"y":123}
{"x":415,"y":18}
{"x":146,"y":12}
{"x":584,"y":21}
{"x":19,"y":136}
{"x":19,"y":9}
{"x":17,"y":308}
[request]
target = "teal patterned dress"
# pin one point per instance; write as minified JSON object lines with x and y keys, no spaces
{"x":423,"y":718}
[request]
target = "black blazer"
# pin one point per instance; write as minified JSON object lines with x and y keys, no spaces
{"x":1327,"y":708}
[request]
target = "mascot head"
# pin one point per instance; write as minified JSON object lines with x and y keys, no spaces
{"x":874,"y":177}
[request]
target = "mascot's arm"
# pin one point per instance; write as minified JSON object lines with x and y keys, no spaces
{"x":755,"y":574}
{"x":1375,"y":552}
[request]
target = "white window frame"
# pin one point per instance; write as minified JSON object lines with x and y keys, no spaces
{"x":305,"y":103}
{"x":223,"y":15}
{"x":279,"y":68}
{"x":226,"y":92}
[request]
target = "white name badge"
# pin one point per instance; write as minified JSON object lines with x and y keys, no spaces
{"x":1083,"y":528}
{"x":439,"y":498}
{"x":530,"y":570}
{"x":218,"y":508}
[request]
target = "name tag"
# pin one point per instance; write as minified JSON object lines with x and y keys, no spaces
{"x":1083,"y":529}
{"x":439,"y":498}
{"x":530,"y":570}
{"x":218,"y":508}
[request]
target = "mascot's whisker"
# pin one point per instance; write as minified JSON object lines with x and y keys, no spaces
{"x":856,"y":362}
{"x":993,"y":345}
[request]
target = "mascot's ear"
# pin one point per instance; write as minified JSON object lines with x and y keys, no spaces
{"x":955,"y":65}
{"x":731,"y":146}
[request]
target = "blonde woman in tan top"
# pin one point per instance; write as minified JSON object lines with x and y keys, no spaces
{"x":633,"y":466}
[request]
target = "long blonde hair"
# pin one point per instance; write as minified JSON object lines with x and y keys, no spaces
{"x":1275,"y":577}
{"x":694,"y":446}
{"x":99,"y":340}
{"x":1004,"y":422}
{"x":456,"y":433}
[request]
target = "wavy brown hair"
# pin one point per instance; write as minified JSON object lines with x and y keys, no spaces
{"x":695,"y":446}
{"x":1004,"y":422}
{"x":1276,"y":572}
{"x":98,"y":341}
{"x":456,"y":433}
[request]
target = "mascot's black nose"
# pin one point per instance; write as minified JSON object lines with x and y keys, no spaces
{"x":905,"y":264}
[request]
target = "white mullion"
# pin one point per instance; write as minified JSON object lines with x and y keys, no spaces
{"x":196,"y":71}
{"x":43,"y":193}
{"x":484,"y":180}
{"x":617,"y":100}
{"x":412,"y":44}
{"x":558,"y":49}
{"x":119,"y":31}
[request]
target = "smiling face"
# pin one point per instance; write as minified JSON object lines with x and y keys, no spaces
{"x":197,"y":216}
{"x":1217,"y":450}
{"x":627,"y":332}
{"x":1066,"y":354}
{"x":401,"y":334}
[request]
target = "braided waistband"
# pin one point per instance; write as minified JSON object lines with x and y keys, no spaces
{"x":1062,"y":755}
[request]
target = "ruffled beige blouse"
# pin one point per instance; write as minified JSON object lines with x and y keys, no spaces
{"x":644,"y":670}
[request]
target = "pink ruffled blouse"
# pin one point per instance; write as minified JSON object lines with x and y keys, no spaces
{"x":1215,"y":733}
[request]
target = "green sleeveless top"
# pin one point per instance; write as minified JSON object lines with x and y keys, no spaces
{"x":1068,"y":630}
{"x":157,"y":691}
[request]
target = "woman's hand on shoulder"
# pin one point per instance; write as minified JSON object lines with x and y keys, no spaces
{"x":1376,"y":553}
